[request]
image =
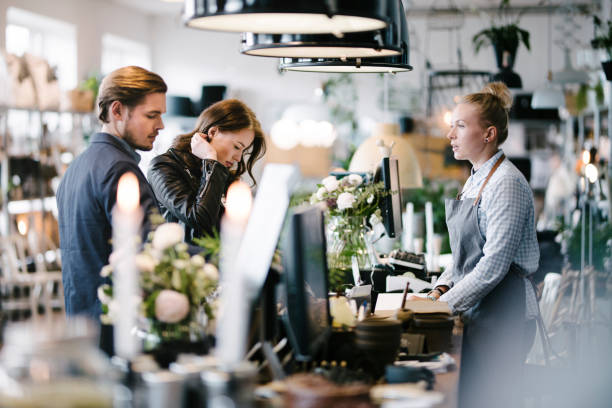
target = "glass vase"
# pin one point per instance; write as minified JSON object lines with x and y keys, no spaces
{"x":345,"y":240}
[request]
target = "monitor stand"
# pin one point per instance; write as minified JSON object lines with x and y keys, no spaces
{"x":267,"y":329}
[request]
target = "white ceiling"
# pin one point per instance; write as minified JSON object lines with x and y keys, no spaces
{"x":160,"y":7}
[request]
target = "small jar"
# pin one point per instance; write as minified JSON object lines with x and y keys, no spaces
{"x":55,"y":364}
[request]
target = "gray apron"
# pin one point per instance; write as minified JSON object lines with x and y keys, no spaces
{"x":496,"y":335}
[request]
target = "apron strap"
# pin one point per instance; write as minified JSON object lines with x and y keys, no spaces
{"x":499,"y":161}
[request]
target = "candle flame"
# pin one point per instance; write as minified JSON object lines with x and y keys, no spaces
{"x":128,"y":192}
{"x":239,"y":201}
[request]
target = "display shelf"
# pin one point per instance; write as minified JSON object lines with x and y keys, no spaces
{"x":31,"y":205}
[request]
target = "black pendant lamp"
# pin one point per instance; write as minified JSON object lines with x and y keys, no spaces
{"x":379,"y":43}
{"x":392,"y":64}
{"x":284,"y":16}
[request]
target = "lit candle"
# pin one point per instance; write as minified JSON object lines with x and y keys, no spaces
{"x":127,"y":218}
{"x":233,"y":319}
{"x":408,"y":230}
{"x":429,"y":231}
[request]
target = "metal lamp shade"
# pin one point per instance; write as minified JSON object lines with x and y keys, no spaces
{"x":547,"y":98}
{"x":380,"y":43}
{"x":282,"y":16}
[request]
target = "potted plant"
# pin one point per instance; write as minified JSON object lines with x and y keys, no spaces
{"x":505,"y":36}
{"x":603,"y":40}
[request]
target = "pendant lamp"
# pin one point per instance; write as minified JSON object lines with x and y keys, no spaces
{"x":548,"y":97}
{"x":392,"y":64}
{"x":568,"y":75}
{"x":379,"y":43}
{"x":283,"y":16}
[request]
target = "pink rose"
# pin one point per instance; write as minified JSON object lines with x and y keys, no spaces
{"x":171,"y":306}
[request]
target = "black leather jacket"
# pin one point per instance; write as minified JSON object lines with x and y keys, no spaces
{"x":187,"y":193}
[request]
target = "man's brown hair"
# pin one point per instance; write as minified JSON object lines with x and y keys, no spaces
{"x":128,"y":85}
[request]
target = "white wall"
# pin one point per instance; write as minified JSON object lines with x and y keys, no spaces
{"x":92,"y":18}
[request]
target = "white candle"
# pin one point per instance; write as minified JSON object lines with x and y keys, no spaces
{"x":232,"y":323}
{"x":408,"y":229}
{"x":429,"y":231}
{"x":127,"y":218}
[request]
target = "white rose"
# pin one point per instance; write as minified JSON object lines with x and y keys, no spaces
{"x":171,"y":306}
{"x":167,"y":235}
{"x":198,"y":261}
{"x":104,"y":298}
{"x":345,"y":200}
{"x":320,"y":194}
{"x":106,"y":271}
{"x":211,"y":272}
{"x":145,"y":263}
{"x":330,"y":183}
{"x":355,"y":179}
{"x":181,"y":247}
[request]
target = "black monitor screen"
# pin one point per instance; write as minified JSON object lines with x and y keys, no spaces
{"x":392,"y":203}
{"x":307,"y":317}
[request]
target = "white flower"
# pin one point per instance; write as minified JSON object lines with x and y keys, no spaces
{"x":211,"y":272}
{"x":167,"y":235}
{"x":180,"y":264}
{"x":104,"y":298}
{"x":181,"y":247}
{"x":106,"y":319}
{"x":106,"y":271}
{"x":330,"y":183}
{"x":320,"y":194}
{"x":375,"y":219}
{"x":370,"y":199}
{"x":355,"y":179}
{"x":171,"y":306}
{"x":345,"y":200}
{"x":145,"y":263}
{"x":198,"y":261}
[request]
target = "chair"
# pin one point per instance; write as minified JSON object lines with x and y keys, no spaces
{"x":16,"y":280}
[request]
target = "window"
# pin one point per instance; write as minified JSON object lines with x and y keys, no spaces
{"x":118,"y":52}
{"x":51,"y":39}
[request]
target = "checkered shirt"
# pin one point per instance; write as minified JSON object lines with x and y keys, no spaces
{"x":506,"y":221}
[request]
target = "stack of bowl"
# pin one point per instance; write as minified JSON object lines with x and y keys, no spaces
{"x":379,"y":340}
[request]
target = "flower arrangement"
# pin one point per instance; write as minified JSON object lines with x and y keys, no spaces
{"x":177,"y":289}
{"x":351,"y":205}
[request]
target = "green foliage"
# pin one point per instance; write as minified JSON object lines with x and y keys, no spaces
{"x":504,"y":33}
{"x":211,"y":245}
{"x":603,"y":37}
{"x":602,"y":241}
{"x":92,"y":83}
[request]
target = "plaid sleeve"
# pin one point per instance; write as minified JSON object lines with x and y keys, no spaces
{"x":506,"y":210}
{"x":447,"y":277}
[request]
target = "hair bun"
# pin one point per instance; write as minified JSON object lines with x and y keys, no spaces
{"x":500,"y":90}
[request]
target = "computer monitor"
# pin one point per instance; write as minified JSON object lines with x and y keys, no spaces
{"x":391,"y":205}
{"x":307,"y":319}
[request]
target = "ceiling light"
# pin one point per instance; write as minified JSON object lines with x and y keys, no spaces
{"x":282,"y":16}
{"x":391,"y":64}
{"x":547,"y":98}
{"x":379,"y":43}
{"x":569,"y":75}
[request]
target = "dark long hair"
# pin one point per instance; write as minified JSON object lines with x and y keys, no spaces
{"x":230,"y":115}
